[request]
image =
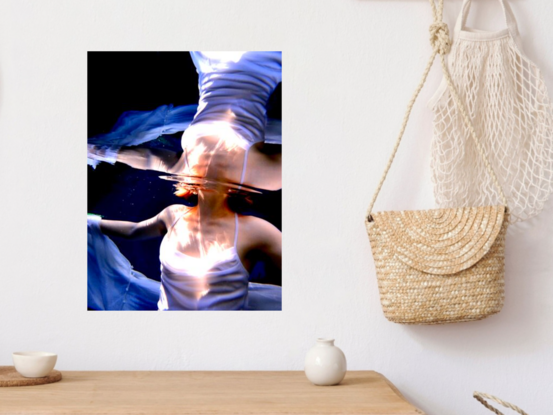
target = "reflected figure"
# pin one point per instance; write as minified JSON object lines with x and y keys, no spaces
{"x":217,"y":157}
{"x":227,"y":130}
{"x":206,"y":253}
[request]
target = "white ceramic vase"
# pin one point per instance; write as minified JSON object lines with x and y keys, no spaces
{"x":325,"y":364}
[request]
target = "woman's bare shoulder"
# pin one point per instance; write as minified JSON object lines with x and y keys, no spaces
{"x":172,"y":212}
{"x":257,"y":228}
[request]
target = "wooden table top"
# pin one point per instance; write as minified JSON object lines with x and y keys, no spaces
{"x":214,"y":393}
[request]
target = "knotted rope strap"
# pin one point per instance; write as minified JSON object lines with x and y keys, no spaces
{"x":441,"y":45}
{"x":481,"y":397}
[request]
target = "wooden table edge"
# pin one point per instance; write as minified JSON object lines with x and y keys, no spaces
{"x":67,"y":377}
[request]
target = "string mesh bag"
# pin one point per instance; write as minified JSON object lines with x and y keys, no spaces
{"x":507,"y":100}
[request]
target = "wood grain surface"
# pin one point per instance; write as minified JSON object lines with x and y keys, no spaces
{"x":214,"y":393}
{"x":10,"y":377}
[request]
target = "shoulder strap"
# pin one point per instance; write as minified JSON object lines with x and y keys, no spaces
{"x":441,"y":45}
{"x":244,"y":166}
{"x":235,"y":229}
{"x":175,"y":220}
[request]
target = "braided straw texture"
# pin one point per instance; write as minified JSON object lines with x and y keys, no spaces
{"x":508,"y":104}
{"x":481,"y":397}
{"x":441,"y":265}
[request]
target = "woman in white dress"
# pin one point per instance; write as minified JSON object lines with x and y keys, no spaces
{"x":207,"y":252}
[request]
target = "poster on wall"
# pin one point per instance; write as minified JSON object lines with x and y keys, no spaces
{"x":184,"y":181}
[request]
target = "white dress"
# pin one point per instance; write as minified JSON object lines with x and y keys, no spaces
{"x":211,"y":282}
{"x":234,"y":90}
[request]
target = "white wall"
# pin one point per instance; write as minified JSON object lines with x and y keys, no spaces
{"x":349,"y":68}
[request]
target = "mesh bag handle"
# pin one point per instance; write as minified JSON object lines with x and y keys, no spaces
{"x":441,"y":45}
{"x":481,"y":397}
{"x":510,"y":19}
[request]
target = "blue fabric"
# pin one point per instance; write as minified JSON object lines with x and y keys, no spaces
{"x":137,"y":127}
{"x":264,"y":297}
{"x":112,"y":283}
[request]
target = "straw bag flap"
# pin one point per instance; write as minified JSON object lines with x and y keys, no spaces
{"x":438,"y":241}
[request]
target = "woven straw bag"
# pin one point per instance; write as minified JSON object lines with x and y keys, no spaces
{"x":442,"y":265}
{"x":481,"y":397}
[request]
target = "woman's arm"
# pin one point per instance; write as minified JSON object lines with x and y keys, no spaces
{"x":269,"y":242}
{"x":149,"y":228}
{"x":138,"y":158}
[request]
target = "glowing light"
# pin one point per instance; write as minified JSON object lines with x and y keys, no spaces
{"x":188,"y":233}
{"x":210,"y":148}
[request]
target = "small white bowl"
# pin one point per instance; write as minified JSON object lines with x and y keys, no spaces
{"x":34,"y":364}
